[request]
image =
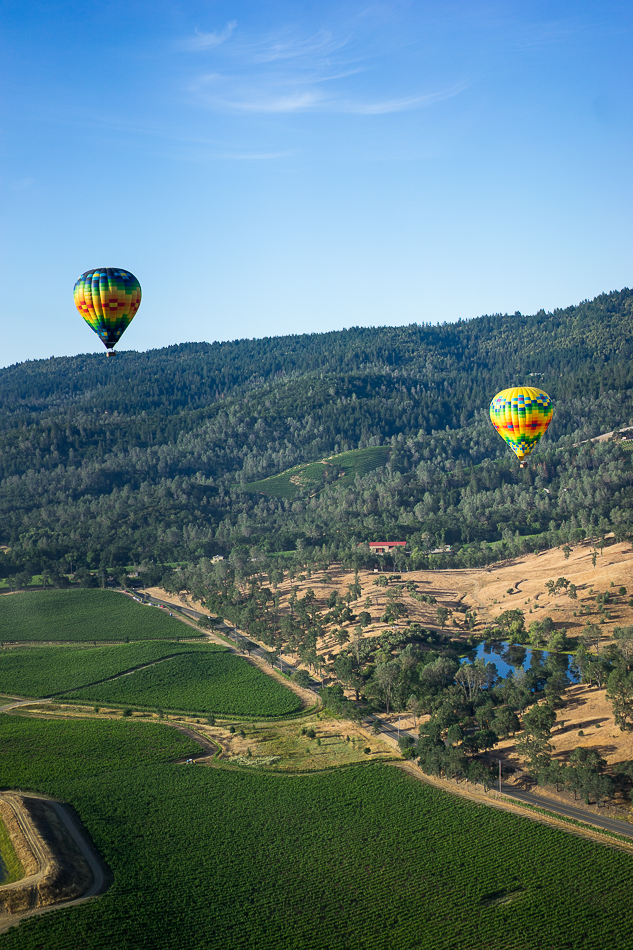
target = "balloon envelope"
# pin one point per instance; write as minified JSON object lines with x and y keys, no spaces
{"x":521,"y":416}
{"x":108,"y":298}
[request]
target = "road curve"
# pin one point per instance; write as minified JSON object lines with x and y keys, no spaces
{"x":99,"y":881}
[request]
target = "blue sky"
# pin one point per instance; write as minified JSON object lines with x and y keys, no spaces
{"x":270,"y":168}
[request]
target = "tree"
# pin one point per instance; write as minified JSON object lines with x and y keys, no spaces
{"x":455,"y":734}
{"x":555,"y":686}
{"x":349,"y":673}
{"x":386,"y":677}
{"x":620,"y":695}
{"x":539,"y":633}
{"x":591,"y":635}
{"x":355,"y":588}
{"x":512,"y":623}
{"x":473,"y":677}
{"x":505,"y":721}
{"x":442,"y":616}
{"x":484,"y":712}
{"x":584,"y":775}
{"x":534,"y":742}
{"x":432,"y":752}
{"x":484,"y":739}
{"x":481,"y":774}
{"x":342,"y":636}
{"x":624,"y":639}
{"x":302,"y":678}
{"x":414,"y":706}
{"x":456,"y":763}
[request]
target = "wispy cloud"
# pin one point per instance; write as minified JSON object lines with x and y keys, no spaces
{"x":202,"y":41}
{"x":289,"y":72}
{"x":316,"y":101}
{"x":403,"y":104}
{"x":286,"y":46}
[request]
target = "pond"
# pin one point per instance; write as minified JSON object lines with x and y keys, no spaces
{"x":511,"y":656}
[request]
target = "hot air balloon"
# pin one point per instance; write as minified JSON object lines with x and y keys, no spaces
{"x":108,"y":298}
{"x":521,"y":416}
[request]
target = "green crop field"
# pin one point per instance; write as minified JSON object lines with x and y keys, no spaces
{"x":313,"y":477}
{"x":213,"y":681}
{"x":365,"y":857}
{"x":83,"y":615}
{"x":50,"y":670}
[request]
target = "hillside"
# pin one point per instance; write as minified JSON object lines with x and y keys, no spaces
{"x":313,"y":478}
{"x":180,"y":454}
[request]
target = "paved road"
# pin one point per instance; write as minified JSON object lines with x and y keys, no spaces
{"x":609,"y":824}
{"x":390,"y":731}
{"x":231,"y":632}
{"x":387,"y":728}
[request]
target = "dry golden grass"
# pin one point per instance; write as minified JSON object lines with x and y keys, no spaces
{"x":484,"y":589}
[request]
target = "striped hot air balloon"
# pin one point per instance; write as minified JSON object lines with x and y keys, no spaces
{"x":108,"y":298}
{"x":521,"y":416}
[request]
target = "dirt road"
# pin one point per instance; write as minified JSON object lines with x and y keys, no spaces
{"x":44,"y":858}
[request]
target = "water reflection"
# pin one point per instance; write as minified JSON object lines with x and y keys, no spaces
{"x":511,"y":657}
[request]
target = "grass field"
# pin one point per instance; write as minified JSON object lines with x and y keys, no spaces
{"x":313,"y":477}
{"x":358,"y":858}
{"x":10,"y":866}
{"x":46,"y":671}
{"x":83,"y":615}
{"x":210,"y":680}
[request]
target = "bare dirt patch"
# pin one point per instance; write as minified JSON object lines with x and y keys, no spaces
{"x":586,"y":709}
{"x":182,"y":599}
{"x":519,"y":583}
{"x":525,"y":578}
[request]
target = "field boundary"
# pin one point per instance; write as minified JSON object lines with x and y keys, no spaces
{"x":524,"y":809}
{"x":25,"y":894}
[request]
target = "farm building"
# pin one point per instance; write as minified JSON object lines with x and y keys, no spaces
{"x":384,"y":547}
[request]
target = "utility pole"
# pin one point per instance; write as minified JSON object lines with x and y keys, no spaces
{"x":499,"y":761}
{"x":398,"y":728}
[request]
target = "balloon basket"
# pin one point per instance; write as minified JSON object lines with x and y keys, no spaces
{"x":110,"y":352}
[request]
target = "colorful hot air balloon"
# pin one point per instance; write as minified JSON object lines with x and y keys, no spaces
{"x":521,"y":416}
{"x":108,"y":298}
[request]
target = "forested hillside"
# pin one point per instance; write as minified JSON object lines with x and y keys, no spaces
{"x":151,"y":457}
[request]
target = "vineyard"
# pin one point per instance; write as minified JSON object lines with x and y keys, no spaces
{"x":213,"y":681}
{"x":312,"y":478}
{"x":82,"y":615}
{"x":355,"y":858}
{"x":46,"y":671}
